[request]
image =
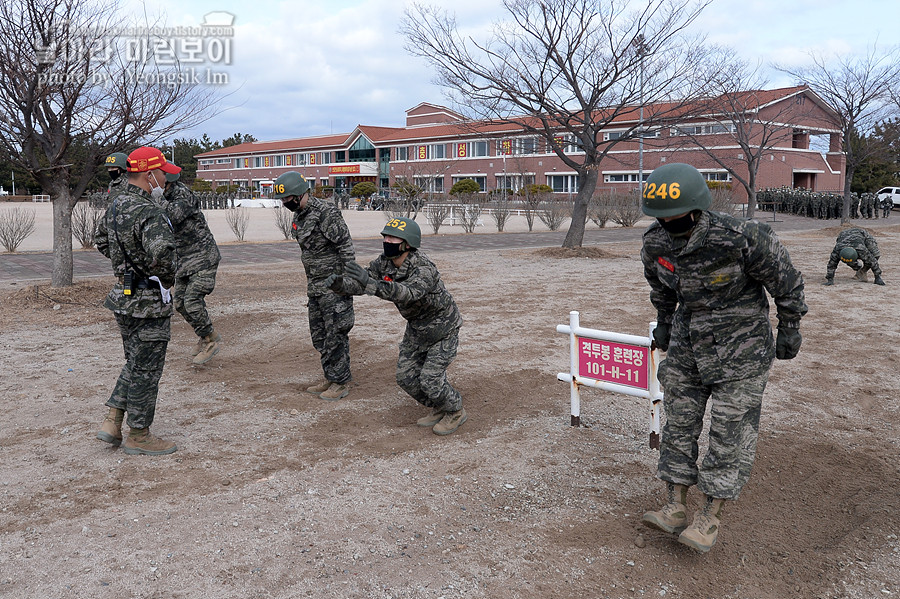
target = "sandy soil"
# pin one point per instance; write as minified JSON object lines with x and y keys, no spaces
{"x":275,"y":493}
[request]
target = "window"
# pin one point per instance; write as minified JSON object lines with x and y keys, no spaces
{"x":568,"y":143}
{"x":437,"y":151}
{"x":563,"y":183}
{"x":257,"y":161}
{"x":402,"y":153}
{"x":711,"y":129}
{"x":362,"y":151}
{"x":481,"y":180}
{"x":279,"y":160}
{"x":717,"y":176}
{"x":611,"y":135}
{"x":430,"y":184}
{"x":624,"y":177}
{"x":238,"y":163}
{"x":525,"y":145}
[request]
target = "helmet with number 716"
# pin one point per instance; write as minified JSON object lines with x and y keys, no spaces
{"x":288,"y":184}
{"x":674,"y":189}
{"x":404,"y":228}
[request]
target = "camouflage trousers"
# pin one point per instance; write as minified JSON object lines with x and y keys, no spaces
{"x":422,"y":370}
{"x":145,"y":341}
{"x":733,"y":429}
{"x":189,"y":298}
{"x":330,"y":320}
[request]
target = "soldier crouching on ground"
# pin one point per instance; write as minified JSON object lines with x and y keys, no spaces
{"x":857,"y":249}
{"x":137,"y":238}
{"x":407,"y":277}
{"x":708,"y":274}
{"x":198,"y":261}
{"x":325,"y":248}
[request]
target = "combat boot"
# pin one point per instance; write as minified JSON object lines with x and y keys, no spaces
{"x":672,"y":517}
{"x":432,"y":419}
{"x":701,"y":534}
{"x":335,"y":392}
{"x":319,"y":388}
{"x":450,"y":421}
{"x":198,"y":347}
{"x":210,"y":348}
{"x":111,"y":429}
{"x":141,"y":442}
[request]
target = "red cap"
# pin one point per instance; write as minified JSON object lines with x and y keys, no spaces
{"x":146,"y":159}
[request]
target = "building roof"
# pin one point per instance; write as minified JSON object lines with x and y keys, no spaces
{"x":457,"y":129}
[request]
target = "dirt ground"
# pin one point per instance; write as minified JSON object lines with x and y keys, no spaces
{"x":274,"y":493}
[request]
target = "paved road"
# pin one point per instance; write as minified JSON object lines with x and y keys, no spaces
{"x":32,"y":266}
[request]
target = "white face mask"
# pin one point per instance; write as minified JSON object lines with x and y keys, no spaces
{"x":156,"y":192}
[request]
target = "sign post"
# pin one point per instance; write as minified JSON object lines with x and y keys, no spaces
{"x":614,"y":362}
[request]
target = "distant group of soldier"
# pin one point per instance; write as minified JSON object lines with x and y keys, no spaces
{"x":820,"y":204}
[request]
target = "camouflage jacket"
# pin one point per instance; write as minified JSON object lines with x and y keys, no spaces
{"x":864,"y":244}
{"x":325,"y":244}
{"x":149,"y":242}
{"x":197,"y":249}
{"x":117,"y":186}
{"x":417,"y":291}
{"x":711,"y":288}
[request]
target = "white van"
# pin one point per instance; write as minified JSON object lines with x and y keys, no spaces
{"x":890,"y":192}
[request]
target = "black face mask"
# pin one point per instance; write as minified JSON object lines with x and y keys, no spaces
{"x":679,"y":227}
{"x":114,"y":174}
{"x":293,"y":205}
{"x":392,"y":250}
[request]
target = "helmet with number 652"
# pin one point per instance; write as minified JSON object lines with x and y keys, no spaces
{"x":404,"y":228}
{"x":674,"y":189}
{"x":290,"y":183}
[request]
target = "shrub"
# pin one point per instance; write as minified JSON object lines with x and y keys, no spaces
{"x":238,"y":220}
{"x":85,"y":221}
{"x":15,"y":226}
{"x":465,"y":186}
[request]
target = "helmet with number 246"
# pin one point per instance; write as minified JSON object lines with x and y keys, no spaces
{"x":674,"y":189}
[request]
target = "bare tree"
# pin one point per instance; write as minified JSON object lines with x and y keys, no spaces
{"x":553,"y":212}
{"x":501,"y":208}
{"x":70,"y":94}
{"x":566,"y":69}
{"x":85,"y":220}
{"x":238,"y":220}
{"x":284,"y":220}
{"x":471,"y":206}
{"x":862,"y":91}
{"x":15,"y":226}
{"x":626,"y":208}
{"x":754,"y":122}
{"x":437,"y":213}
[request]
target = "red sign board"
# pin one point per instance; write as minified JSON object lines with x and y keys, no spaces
{"x":614,"y":362}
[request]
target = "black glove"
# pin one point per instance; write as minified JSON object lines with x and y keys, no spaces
{"x":787,"y":344}
{"x":357,"y":273}
{"x":661,"y":335}
{"x":333,"y":281}
{"x":879,"y":281}
{"x":828,"y":282}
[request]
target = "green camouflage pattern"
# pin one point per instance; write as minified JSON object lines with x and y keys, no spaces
{"x":711,"y":287}
{"x":331,"y":318}
{"x":117,"y":186}
{"x":147,"y":237}
{"x":197,"y":249}
{"x":325,"y":244}
{"x":418,"y":292}
{"x":430,"y":341}
{"x":189,"y":297}
{"x":733,"y":428}
{"x":865,"y":245}
{"x":145,"y":341}
{"x":422,"y":370}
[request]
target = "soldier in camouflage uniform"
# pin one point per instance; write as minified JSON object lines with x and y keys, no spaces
{"x":405,"y":276}
{"x":708,"y":274}
{"x":887,"y":204}
{"x":198,"y":261}
{"x":325,"y":248}
{"x":137,"y":238}
{"x":116,"y":166}
{"x":857,"y":249}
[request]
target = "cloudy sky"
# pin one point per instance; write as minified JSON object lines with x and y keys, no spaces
{"x":306,"y":67}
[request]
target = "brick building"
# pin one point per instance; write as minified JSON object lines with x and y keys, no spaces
{"x":438,"y":147}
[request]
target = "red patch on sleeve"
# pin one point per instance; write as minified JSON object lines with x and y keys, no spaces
{"x":294,"y":226}
{"x":666,"y":264}
{"x":387,"y":278}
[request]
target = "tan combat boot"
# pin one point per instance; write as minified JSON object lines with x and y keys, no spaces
{"x":319,"y":388}
{"x":210,"y":348}
{"x":672,"y":517}
{"x":141,"y":442}
{"x":198,"y":347}
{"x":701,"y":534}
{"x":335,"y":392}
{"x":111,"y":429}
{"x":449,"y":422}
{"x":432,"y":419}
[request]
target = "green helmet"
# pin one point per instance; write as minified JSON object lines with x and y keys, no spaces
{"x":172,"y":177}
{"x":290,"y":183}
{"x":848,"y":255}
{"x":674,"y":189}
{"x":406,"y":229}
{"x":117,"y":160}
